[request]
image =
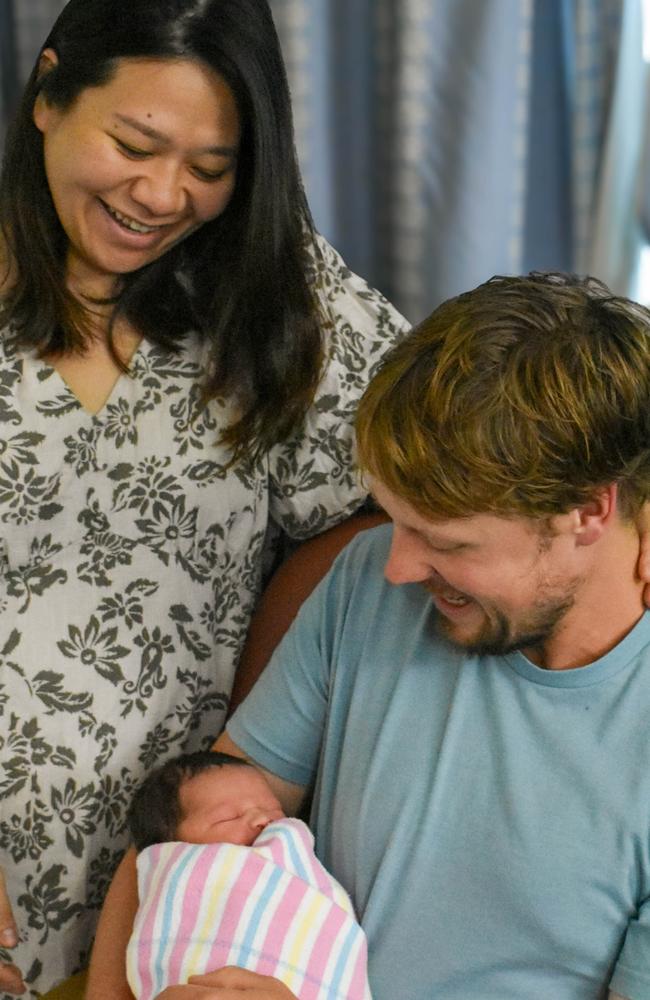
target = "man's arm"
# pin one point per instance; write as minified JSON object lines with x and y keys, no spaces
{"x":230,"y":983}
{"x":290,"y":796}
{"x":107,"y":971}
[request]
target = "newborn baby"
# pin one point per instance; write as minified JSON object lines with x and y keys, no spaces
{"x":224,"y":878}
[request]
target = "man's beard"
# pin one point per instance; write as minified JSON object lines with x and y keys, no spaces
{"x":500,"y":635}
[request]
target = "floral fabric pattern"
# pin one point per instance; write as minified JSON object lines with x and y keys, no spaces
{"x":130,"y":559}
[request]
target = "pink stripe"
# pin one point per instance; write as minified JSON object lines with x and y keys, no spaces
{"x":323,"y":945}
{"x":280,"y":926}
{"x":359,"y":983}
{"x":185,"y":928}
{"x":276,"y":848}
{"x":145,"y":928}
{"x":231,"y":908}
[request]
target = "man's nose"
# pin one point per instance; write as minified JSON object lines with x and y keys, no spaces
{"x":408,"y":560}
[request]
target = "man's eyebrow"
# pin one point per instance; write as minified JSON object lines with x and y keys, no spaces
{"x":152,"y":133}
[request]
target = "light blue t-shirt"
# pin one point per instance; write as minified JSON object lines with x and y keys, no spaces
{"x":490,"y":819}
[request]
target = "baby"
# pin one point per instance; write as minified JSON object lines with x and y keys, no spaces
{"x":224,"y":878}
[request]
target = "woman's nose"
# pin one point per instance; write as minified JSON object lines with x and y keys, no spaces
{"x":159,"y":189}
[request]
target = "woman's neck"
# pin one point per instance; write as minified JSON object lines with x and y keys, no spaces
{"x":92,"y":374}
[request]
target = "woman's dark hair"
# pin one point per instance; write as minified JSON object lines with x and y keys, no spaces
{"x":242,"y":279}
{"x":156,"y":810}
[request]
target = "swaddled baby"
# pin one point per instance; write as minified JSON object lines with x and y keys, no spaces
{"x":224,"y":878}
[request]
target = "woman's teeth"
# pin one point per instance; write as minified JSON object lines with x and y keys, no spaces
{"x":131,"y":224}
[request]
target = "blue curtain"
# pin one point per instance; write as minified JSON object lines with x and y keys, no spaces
{"x":443,"y":141}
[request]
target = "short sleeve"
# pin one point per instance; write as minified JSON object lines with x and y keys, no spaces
{"x":314,"y":481}
{"x":295,"y":686}
{"x":631,"y":977}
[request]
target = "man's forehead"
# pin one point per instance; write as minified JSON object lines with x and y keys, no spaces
{"x":470,"y":528}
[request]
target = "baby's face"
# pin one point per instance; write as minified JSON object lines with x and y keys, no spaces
{"x":226,"y":805}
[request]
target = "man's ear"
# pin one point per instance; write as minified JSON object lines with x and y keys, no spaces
{"x":47,"y":61}
{"x":593,"y":517}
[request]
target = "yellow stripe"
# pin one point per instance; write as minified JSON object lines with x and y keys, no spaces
{"x":296,"y":958}
{"x":218,"y":890}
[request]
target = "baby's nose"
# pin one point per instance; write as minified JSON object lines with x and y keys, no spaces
{"x":258,"y":819}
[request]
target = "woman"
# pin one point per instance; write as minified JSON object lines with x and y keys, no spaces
{"x":180,"y":359}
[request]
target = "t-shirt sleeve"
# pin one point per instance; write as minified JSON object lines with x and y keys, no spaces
{"x":282,"y":723}
{"x":314,"y":481}
{"x":295,"y":687}
{"x":631,"y":977}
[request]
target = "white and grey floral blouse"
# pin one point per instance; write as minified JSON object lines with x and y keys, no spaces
{"x":129,"y":562}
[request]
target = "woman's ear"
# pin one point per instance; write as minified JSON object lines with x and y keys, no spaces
{"x":48,"y":59}
{"x":46,"y":63}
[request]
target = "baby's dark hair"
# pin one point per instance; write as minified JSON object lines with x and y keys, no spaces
{"x":156,"y":809}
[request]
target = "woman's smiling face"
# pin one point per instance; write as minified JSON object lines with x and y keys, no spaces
{"x":137,"y":164}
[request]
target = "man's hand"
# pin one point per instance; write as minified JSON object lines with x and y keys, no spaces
{"x":230,"y":983}
{"x":11,"y":980}
{"x":643,"y":568}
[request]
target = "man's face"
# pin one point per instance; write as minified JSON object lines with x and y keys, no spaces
{"x":499,"y":583}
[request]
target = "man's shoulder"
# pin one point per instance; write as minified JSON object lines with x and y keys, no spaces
{"x":358,"y":570}
{"x":370,"y":546}
{"x":357,"y":606}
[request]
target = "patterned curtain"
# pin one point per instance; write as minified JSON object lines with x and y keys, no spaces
{"x":443,"y":141}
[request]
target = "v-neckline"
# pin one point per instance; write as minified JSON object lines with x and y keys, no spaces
{"x":47,"y":366}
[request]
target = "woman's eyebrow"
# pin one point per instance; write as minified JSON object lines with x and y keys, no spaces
{"x":152,"y":133}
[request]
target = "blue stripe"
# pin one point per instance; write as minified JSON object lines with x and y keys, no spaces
{"x":169,"y":901}
{"x":288,"y":836}
{"x":343,"y":959}
{"x":246,"y":946}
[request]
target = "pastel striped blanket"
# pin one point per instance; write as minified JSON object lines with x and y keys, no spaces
{"x":271,"y":908}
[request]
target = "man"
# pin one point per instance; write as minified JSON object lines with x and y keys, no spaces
{"x":476,"y":720}
{"x":468,"y":691}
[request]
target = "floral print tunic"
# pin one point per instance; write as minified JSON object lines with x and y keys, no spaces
{"x":130,"y":559}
